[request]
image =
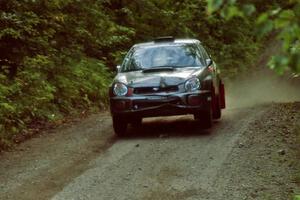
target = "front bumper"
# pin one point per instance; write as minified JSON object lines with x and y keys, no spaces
{"x":164,"y":104}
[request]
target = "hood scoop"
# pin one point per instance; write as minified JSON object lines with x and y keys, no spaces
{"x":158,"y":69}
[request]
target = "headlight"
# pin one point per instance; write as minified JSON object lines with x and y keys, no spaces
{"x":192,"y":84}
{"x":120,"y":89}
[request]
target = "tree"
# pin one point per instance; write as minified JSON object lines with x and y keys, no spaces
{"x":280,"y":17}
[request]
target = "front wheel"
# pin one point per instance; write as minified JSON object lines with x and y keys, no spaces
{"x":205,"y":118}
{"x":216,"y":106}
{"x":136,"y":122}
{"x":217,"y":112}
{"x":120,"y":125}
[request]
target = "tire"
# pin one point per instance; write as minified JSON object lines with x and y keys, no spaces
{"x":205,"y":118}
{"x":217,"y":113}
{"x":119,"y":125}
{"x":136,"y":122}
{"x":222,"y":95}
{"x":216,"y":104}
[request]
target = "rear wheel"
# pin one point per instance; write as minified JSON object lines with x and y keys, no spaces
{"x":120,"y":125}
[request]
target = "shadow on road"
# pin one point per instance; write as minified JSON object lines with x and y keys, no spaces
{"x":170,"y":127}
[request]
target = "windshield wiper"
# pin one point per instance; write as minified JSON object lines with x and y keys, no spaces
{"x":183,"y":66}
{"x":132,"y":70}
{"x":159,"y":68}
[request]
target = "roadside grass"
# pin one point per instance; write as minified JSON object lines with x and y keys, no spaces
{"x":8,"y":142}
{"x":4,"y":144}
{"x":33,"y":101}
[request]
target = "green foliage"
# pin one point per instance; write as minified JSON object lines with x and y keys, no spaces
{"x":230,"y":42}
{"x":281,"y":17}
{"x":56,"y":55}
{"x":48,"y":65}
{"x":297,"y":197}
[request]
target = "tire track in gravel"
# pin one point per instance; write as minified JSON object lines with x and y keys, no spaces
{"x":39,"y":168}
{"x":165,"y":159}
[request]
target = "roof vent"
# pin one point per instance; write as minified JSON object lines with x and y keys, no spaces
{"x":164,"y":39}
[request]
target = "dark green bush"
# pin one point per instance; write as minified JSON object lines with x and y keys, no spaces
{"x":56,"y":56}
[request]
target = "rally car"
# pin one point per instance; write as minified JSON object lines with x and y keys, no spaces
{"x":166,"y":77}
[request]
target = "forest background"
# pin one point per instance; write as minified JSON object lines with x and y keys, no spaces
{"x":58,"y":57}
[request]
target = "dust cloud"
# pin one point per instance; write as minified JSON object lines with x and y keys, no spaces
{"x":262,"y":89}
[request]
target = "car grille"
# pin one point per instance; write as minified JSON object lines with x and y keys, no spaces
{"x":138,"y":104}
{"x":151,"y":90}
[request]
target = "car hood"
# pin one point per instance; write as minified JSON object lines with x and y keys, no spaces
{"x":156,"y":79}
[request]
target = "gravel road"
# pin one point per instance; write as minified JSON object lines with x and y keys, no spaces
{"x":250,"y":154}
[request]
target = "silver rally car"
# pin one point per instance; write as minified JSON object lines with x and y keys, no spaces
{"x":166,"y":77}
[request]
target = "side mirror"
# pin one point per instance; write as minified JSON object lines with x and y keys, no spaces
{"x":208,"y":62}
{"x":118,"y":68}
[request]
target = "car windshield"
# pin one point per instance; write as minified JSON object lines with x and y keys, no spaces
{"x":159,"y":56}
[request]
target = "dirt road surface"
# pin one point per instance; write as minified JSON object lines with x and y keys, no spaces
{"x":249,"y":154}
